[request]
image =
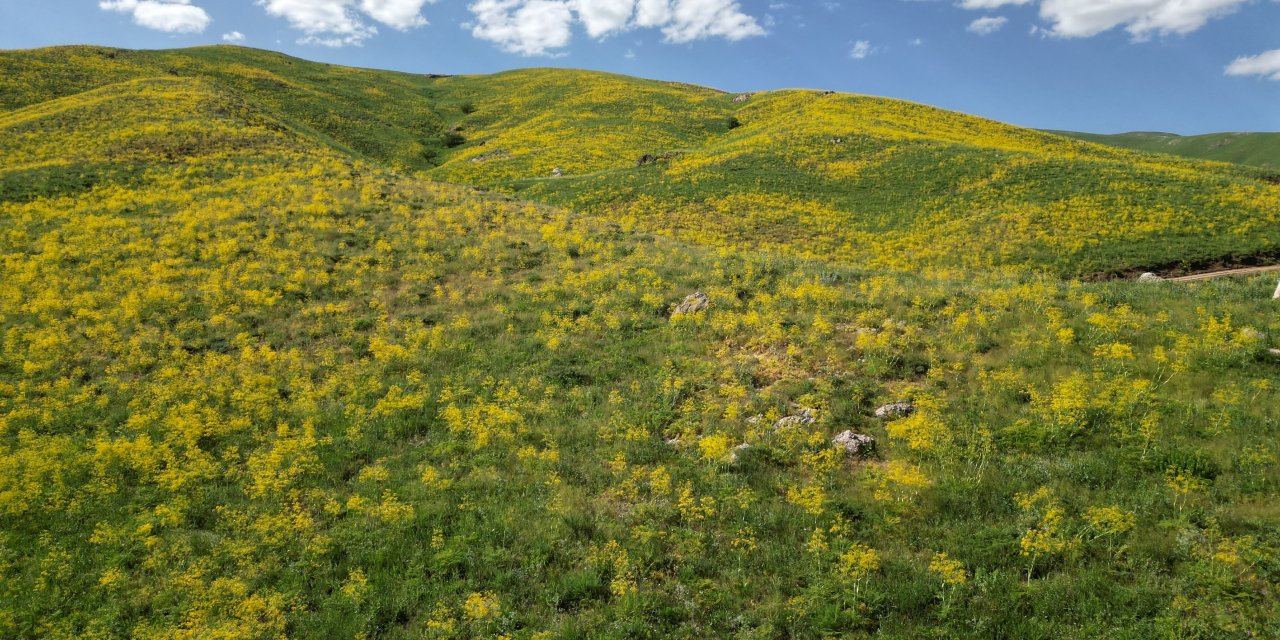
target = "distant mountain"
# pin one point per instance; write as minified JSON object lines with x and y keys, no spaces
{"x":1257,"y":149}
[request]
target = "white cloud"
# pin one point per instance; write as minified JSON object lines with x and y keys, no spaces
{"x":861,"y":49}
{"x":652,"y":13}
{"x":600,"y":17}
{"x":538,"y":27}
{"x":1141,"y":18}
{"x":336,"y":23}
{"x":987,"y":25}
{"x":235,"y":37}
{"x":172,"y":16}
{"x":397,"y":14}
{"x":1266,"y":65}
{"x":695,"y":19}
{"x":331,"y":23}
{"x":526,"y":27}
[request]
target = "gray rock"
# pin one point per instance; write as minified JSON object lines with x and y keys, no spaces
{"x":1149,"y":277}
{"x":1274,"y":352}
{"x":854,"y":444}
{"x":496,"y":154}
{"x":733,"y":455}
{"x":805,"y":416}
{"x":557,"y":172}
{"x":1276,"y":296}
{"x":693,"y":303}
{"x":742,"y":98}
{"x":895,"y":410}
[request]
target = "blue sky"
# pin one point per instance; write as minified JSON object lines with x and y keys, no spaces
{"x":1186,"y":66}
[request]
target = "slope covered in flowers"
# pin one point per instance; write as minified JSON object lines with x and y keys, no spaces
{"x":255,"y":386}
{"x":814,"y":174}
{"x":370,"y":114}
{"x":858,"y":178}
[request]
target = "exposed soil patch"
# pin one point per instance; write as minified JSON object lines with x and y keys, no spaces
{"x":1191,"y":267}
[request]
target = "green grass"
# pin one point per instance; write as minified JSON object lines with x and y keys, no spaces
{"x":262,"y":377}
{"x":374,"y":114}
{"x":1256,"y":149}
{"x":818,"y":175}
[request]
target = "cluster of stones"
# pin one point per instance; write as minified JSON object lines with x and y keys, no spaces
{"x":854,"y":444}
{"x":805,"y":416}
{"x":491,"y":155}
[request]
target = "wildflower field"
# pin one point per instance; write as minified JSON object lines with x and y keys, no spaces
{"x":286,"y":352}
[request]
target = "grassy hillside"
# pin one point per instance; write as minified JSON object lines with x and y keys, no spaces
{"x":255,"y":383}
{"x":817,"y":175}
{"x":372,"y":114}
{"x":1257,"y":149}
{"x":878,"y":181}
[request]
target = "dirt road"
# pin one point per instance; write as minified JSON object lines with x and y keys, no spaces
{"x":1247,"y":271}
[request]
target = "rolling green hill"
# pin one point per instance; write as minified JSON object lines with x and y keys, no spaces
{"x":264,"y":375}
{"x":1257,"y":149}
{"x":872,"y":180}
{"x":856,"y":178}
{"x":371,"y":114}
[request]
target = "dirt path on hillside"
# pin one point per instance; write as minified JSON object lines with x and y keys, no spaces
{"x":1247,"y":271}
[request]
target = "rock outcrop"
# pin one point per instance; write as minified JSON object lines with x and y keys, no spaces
{"x":805,"y":416}
{"x":693,"y":303}
{"x":895,"y":410}
{"x":854,"y":444}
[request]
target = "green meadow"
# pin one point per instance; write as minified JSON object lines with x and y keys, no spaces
{"x":291,"y":350}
